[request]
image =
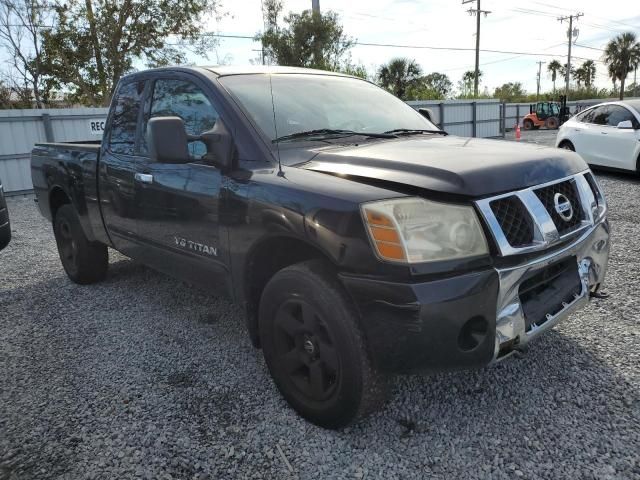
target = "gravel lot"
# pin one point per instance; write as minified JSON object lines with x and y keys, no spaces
{"x":539,"y":137}
{"x":141,"y":376}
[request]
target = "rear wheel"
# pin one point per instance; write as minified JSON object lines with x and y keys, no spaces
{"x":314,"y":348}
{"x":84,"y":262}
{"x":527,"y":124}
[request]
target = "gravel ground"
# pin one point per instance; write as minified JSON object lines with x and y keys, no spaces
{"x":539,"y":137}
{"x":141,"y":376}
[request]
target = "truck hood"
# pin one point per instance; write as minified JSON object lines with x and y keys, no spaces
{"x":455,"y":165}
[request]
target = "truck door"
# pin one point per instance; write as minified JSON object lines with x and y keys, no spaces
{"x":178,"y":218}
{"x":118,"y":165}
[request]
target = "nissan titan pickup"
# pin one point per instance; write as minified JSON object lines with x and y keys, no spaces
{"x":361,"y":239}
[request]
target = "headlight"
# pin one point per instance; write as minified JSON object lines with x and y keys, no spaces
{"x":415,"y":230}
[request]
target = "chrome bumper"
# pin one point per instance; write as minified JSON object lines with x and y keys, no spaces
{"x":591,"y":251}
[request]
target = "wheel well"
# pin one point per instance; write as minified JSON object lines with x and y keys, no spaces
{"x":565,"y":142}
{"x":57,"y":198}
{"x":265,"y":261}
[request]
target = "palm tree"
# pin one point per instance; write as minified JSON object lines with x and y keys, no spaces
{"x":620,"y":55}
{"x":580,"y":75}
{"x":554,"y":67}
{"x":468,"y":80}
{"x":398,"y":75}
{"x":589,"y":67}
{"x":563,"y":71}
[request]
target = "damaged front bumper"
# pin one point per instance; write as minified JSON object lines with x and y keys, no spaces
{"x":589,"y":255}
{"x":478,"y":318}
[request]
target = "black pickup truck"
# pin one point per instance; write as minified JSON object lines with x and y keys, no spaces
{"x":362,"y":240}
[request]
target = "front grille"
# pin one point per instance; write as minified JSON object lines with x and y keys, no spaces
{"x":514,"y":219}
{"x":546,"y":292}
{"x":570,"y":191}
{"x":529,"y":220}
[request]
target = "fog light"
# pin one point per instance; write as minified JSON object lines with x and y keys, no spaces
{"x":473,"y":333}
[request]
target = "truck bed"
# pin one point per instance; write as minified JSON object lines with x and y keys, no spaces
{"x":70,"y":167}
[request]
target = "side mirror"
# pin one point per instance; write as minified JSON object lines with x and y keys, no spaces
{"x":220,"y":146}
{"x":167,"y":140}
{"x":625,"y":124}
{"x":426,"y":113}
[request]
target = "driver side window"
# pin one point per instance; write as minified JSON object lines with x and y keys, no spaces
{"x":181,"y":98}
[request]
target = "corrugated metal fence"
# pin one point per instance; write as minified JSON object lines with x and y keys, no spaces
{"x":481,"y":118}
{"x":21,"y":129}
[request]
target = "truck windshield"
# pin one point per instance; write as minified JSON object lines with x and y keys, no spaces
{"x":307,"y":102}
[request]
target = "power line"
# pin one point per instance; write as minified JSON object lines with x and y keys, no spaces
{"x":397,"y":45}
{"x":587,"y":46}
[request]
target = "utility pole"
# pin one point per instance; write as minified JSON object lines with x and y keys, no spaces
{"x":540,"y":63}
{"x":315,"y":6}
{"x":477,"y":11}
{"x":571,"y":34}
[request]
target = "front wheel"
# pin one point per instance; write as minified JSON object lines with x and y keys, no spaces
{"x":314,"y":348}
{"x":527,"y":124}
{"x":85,"y":262}
{"x":567,"y":145}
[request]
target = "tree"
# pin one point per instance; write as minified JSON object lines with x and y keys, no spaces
{"x":20,"y":24}
{"x":589,"y":67}
{"x":399,"y":75}
{"x":434,"y":86}
{"x":563,"y":72}
{"x":622,"y":55}
{"x":95,"y":42}
{"x":510,"y":92}
{"x":580,"y":75}
{"x":5,"y":96}
{"x":308,"y":39}
{"x":355,"y":70}
{"x":438,"y":82}
{"x":467,"y":83}
{"x":554,"y":67}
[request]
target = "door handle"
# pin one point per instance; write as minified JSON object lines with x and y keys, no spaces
{"x":143,"y":177}
{"x":604,"y":133}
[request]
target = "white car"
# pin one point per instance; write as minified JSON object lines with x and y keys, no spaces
{"x":606,"y":135}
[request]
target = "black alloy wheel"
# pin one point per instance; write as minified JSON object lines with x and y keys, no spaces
{"x":314,"y":348}
{"x":306,"y":350}
{"x":67,"y":246}
{"x":84,"y":261}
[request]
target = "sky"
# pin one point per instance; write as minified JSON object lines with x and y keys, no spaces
{"x":513,"y":26}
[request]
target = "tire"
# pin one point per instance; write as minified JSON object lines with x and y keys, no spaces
{"x":527,"y":124}
{"x":84,"y":262}
{"x":551,"y":123}
{"x":314,"y":348}
{"x":567,"y":145}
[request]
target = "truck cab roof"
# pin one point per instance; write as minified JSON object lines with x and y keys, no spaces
{"x":226,"y":70}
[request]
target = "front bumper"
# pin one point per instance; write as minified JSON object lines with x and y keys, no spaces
{"x":469,"y":320}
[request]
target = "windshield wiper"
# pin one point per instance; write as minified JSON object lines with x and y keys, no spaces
{"x":325,"y":132}
{"x":412,"y":131}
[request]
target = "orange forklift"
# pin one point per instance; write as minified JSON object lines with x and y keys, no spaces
{"x":546,"y":114}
